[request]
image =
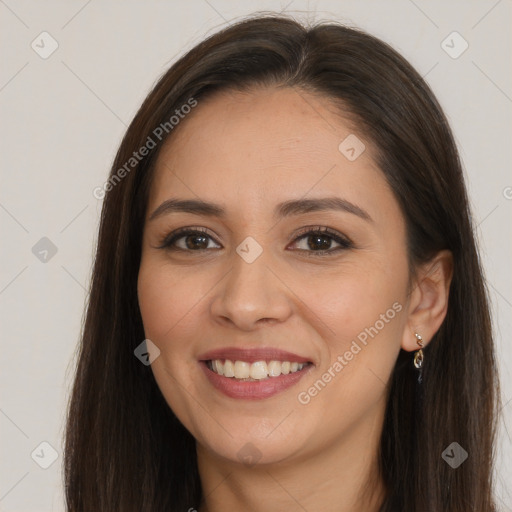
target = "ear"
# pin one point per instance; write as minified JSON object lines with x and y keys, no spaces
{"x":428,"y":300}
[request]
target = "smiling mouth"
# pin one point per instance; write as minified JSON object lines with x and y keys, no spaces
{"x":244,"y":371}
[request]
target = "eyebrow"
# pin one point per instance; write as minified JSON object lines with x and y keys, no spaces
{"x":284,"y":209}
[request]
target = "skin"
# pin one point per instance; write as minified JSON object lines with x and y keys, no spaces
{"x":248,"y":152}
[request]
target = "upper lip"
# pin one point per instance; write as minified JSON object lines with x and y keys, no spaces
{"x":252,"y":355}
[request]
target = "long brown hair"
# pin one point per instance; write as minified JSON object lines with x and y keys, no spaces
{"x":125,"y":449}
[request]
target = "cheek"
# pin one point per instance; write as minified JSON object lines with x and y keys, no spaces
{"x":169,"y":304}
{"x":166,"y":299}
{"x":346,"y":303}
{"x":359,"y":313}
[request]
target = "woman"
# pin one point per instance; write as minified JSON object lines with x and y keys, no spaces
{"x":287,"y":308}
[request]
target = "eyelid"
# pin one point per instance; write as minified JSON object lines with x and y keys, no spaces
{"x":322,"y":229}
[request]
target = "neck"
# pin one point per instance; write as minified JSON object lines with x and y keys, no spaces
{"x":343,"y":477}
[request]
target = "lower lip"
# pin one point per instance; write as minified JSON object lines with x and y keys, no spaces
{"x":252,"y":390}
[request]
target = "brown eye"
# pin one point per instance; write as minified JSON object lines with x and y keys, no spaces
{"x":320,"y":242}
{"x":194,"y":240}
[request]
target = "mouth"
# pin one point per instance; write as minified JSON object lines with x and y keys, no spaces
{"x":253,"y":374}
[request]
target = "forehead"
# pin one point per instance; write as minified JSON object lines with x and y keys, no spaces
{"x":265,"y":146}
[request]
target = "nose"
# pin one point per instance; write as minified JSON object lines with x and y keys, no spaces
{"x":251,"y":295}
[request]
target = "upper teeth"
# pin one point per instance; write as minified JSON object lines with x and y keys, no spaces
{"x":257,"y":370}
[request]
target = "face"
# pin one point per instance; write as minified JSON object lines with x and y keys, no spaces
{"x":273,"y":279}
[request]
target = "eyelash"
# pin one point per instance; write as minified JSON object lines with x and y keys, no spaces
{"x":345,"y":243}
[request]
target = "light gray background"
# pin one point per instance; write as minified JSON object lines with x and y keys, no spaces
{"x":63,"y":118}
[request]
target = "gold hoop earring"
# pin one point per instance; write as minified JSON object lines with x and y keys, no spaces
{"x":418,"y":356}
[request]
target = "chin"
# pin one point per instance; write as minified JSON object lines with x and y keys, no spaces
{"x":249,"y":451}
